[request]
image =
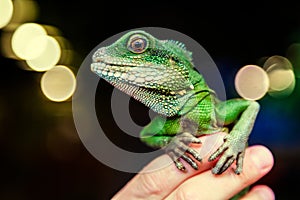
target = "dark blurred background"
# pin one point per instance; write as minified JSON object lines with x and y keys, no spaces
{"x":41,"y":154}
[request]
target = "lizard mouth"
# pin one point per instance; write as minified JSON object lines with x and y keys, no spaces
{"x":121,"y":77}
{"x":103,"y":69}
{"x":133,"y":74}
{"x":126,"y":77}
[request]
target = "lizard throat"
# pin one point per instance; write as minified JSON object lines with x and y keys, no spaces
{"x":164,"y":104}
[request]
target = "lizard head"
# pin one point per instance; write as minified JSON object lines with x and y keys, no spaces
{"x":155,"y":72}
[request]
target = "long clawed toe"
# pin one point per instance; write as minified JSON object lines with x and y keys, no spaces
{"x":228,"y":153}
{"x":178,"y":149}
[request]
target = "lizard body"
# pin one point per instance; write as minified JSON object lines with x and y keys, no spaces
{"x":161,"y":75}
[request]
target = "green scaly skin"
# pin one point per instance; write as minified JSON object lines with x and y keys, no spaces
{"x":161,"y":74}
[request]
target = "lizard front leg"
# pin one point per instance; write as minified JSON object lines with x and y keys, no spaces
{"x":161,"y":133}
{"x":233,"y":148}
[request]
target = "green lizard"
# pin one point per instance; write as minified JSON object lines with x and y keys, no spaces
{"x":161,"y":75}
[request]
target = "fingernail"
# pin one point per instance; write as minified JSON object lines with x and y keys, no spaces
{"x":263,"y":159}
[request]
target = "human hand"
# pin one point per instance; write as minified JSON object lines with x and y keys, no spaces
{"x":170,"y":183}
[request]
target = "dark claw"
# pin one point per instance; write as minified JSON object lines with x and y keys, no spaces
{"x":176,"y":161}
{"x":179,"y":165}
{"x":239,"y":163}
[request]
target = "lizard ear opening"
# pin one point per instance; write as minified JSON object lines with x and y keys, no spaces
{"x":137,"y":44}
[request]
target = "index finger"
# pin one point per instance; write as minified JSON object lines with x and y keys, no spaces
{"x":159,"y":183}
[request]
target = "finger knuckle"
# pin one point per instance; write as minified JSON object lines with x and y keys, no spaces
{"x":150,"y":185}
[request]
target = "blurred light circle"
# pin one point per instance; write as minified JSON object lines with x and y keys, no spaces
{"x":280,"y":62}
{"x":252,"y":82}
{"x":280,"y":79}
{"x":283,"y":93}
{"x":48,"y":58}
{"x":281,"y":76}
{"x":58,"y":84}
{"x":36,"y":46}
{"x":25,"y":41}
{"x":6,"y":12}
{"x":24,"y":11}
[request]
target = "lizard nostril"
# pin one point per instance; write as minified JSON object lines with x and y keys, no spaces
{"x":101,"y":50}
{"x":99,"y":54}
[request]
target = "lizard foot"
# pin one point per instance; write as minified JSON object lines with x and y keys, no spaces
{"x":231,"y":150}
{"x":178,"y":148}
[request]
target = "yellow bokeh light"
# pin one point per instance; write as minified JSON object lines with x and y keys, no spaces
{"x":58,"y":84}
{"x":67,"y":54}
{"x":251,"y":82}
{"x":48,"y":58}
{"x":6,"y":12}
{"x":5,"y":42}
{"x":24,"y":11}
{"x":279,"y":61}
{"x":280,"y":79}
{"x":283,"y":93}
{"x":52,"y":30}
{"x":281,"y":76}
{"x":26,"y":41}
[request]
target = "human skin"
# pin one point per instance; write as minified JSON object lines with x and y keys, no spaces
{"x":170,"y":183}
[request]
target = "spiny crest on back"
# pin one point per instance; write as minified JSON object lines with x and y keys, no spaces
{"x":179,"y":47}
{"x":179,"y":44}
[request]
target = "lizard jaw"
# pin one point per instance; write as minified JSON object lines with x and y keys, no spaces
{"x":150,"y":97}
{"x":121,"y":74}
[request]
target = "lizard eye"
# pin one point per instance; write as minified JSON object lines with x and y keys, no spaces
{"x":137,"y":44}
